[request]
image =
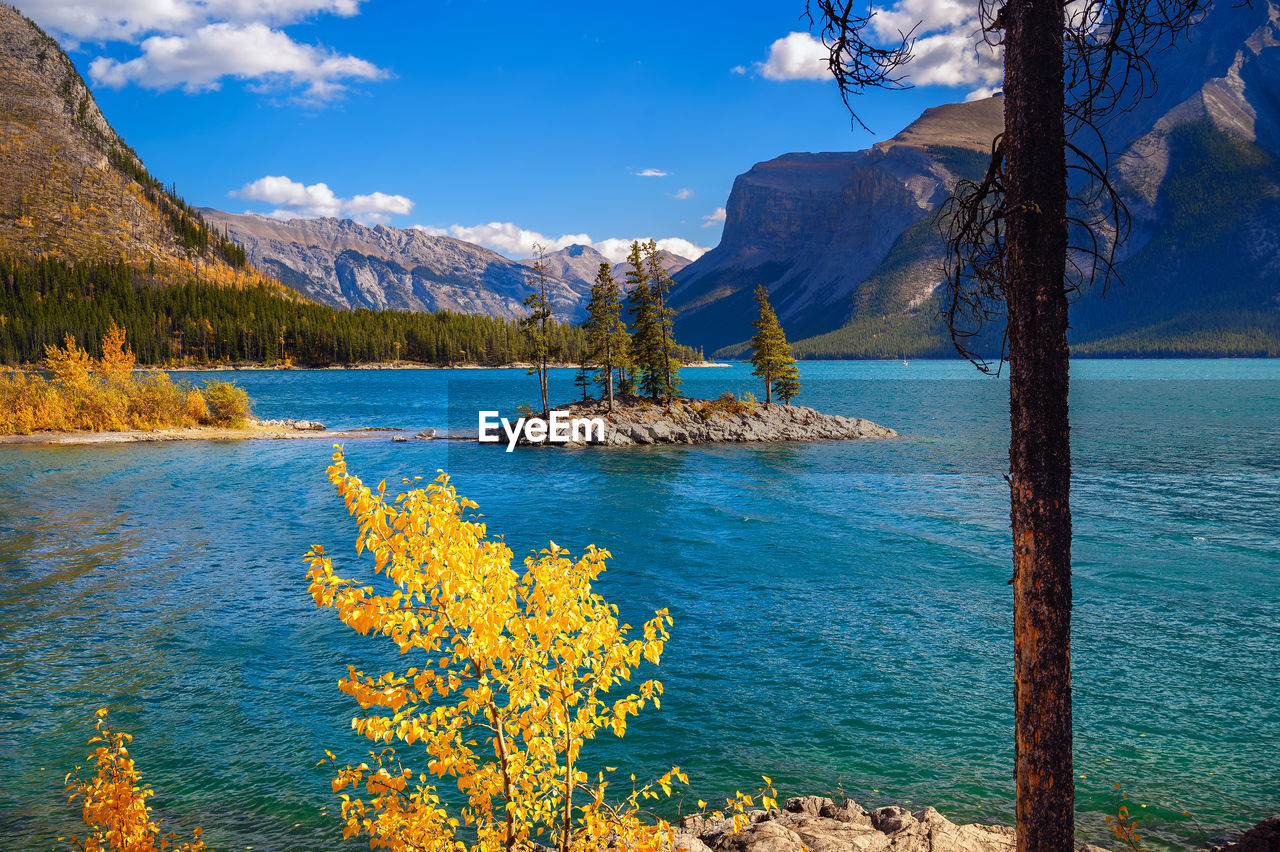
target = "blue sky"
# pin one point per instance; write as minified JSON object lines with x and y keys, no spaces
{"x":495,"y":121}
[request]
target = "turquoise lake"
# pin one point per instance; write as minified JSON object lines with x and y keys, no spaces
{"x":842,"y":619}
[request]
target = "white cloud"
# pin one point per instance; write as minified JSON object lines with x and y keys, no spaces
{"x":130,"y":20}
{"x":713,"y":219}
{"x":683,"y":193}
{"x":797,"y":56}
{"x":507,"y":238}
{"x":512,"y":240}
{"x":617,"y":249}
{"x":738,"y":69}
{"x":949,"y":50}
{"x":651,"y":173}
{"x":954,"y":59}
{"x":295,"y":200}
{"x":196,"y":44}
{"x":199,"y":61}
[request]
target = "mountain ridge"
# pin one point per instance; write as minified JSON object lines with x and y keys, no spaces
{"x":1196,"y":164}
{"x":344,"y":264}
{"x":73,"y":189}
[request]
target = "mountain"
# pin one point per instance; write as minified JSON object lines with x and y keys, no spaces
{"x":813,"y":227}
{"x":847,"y":243}
{"x":344,"y":264}
{"x":73,"y":190}
{"x":581,"y":263}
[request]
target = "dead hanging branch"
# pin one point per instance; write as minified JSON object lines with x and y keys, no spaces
{"x":1108,"y":51}
{"x":855,"y":62}
{"x":1108,"y":47}
{"x":972,"y":223}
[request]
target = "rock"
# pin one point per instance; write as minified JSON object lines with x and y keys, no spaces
{"x":1263,"y":837}
{"x":817,"y":824}
{"x":426,"y":435}
{"x":811,"y":805}
{"x":688,"y":843}
{"x":764,"y":836}
{"x":846,"y":811}
{"x":892,"y":819}
{"x":399,"y":439}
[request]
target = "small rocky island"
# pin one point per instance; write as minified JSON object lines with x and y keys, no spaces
{"x":726,"y":419}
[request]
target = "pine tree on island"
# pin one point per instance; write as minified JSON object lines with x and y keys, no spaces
{"x":652,"y":349}
{"x":659,"y":286}
{"x":644,"y":322}
{"x":535,"y":325}
{"x":606,"y":332}
{"x":771,"y":354}
{"x":582,"y":380}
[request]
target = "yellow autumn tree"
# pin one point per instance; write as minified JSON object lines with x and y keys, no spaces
{"x":513,"y":671}
{"x":113,"y":803}
{"x":117,"y":361}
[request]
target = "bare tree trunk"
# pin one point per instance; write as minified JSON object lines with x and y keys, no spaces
{"x":1039,"y":448}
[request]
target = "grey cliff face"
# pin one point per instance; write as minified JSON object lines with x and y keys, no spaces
{"x":813,"y":227}
{"x":342,"y":263}
{"x":839,"y":238}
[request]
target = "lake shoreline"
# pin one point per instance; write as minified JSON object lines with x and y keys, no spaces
{"x":254,"y":430}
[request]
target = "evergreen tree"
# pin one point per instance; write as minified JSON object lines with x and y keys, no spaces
{"x":535,"y":325}
{"x":645,"y":347}
{"x":665,"y":364}
{"x":787,"y":384}
{"x":582,"y":380}
{"x":605,"y":331}
{"x":771,"y":354}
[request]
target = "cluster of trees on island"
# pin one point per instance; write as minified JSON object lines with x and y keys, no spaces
{"x":642,"y":358}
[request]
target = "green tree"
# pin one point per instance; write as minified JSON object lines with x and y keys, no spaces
{"x":535,"y":325}
{"x":787,"y":384}
{"x":645,"y":347}
{"x":605,"y":331}
{"x":582,"y":380}
{"x":771,"y":354}
{"x":665,"y":365}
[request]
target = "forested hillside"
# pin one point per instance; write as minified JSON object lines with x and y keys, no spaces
{"x":197,"y":322}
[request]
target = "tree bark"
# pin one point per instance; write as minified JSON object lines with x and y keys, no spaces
{"x":1039,"y":448}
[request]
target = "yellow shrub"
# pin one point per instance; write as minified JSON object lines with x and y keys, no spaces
{"x":197,"y":408}
{"x":117,"y":361}
{"x":527,"y":656}
{"x":228,"y":404}
{"x":155,"y":402}
{"x":113,"y":803}
{"x":95,"y":395}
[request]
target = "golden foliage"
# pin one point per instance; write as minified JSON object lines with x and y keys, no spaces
{"x":1124,"y":827}
{"x":114,"y":801}
{"x":117,"y":361}
{"x":82,"y":393}
{"x":727,"y":404}
{"x":513,"y":673}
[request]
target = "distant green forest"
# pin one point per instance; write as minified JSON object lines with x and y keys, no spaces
{"x":202,"y":323}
